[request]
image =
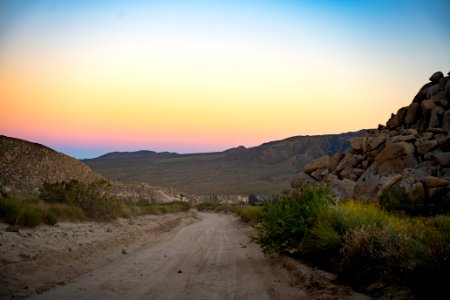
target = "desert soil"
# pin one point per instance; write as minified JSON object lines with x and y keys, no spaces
{"x":181,"y":256}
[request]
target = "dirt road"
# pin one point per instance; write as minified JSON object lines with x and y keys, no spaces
{"x":210,"y":259}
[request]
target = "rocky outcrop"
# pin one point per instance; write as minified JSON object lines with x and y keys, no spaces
{"x":412,"y":151}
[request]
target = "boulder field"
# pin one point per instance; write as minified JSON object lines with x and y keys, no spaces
{"x":411,"y":151}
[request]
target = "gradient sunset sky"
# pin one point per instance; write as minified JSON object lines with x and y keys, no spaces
{"x":90,"y":77}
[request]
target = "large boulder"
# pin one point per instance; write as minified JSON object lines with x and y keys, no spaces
{"x":319,"y":163}
{"x":343,"y":189}
{"x":302,"y":180}
{"x":372,"y":187}
{"x":436,"y":76}
{"x":395,"y":157}
{"x":412,"y":114}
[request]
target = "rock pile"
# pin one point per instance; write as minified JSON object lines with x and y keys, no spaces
{"x":412,"y":152}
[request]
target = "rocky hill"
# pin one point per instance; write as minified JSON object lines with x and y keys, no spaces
{"x":25,"y":166}
{"x":264,"y":169}
{"x":410,"y":153}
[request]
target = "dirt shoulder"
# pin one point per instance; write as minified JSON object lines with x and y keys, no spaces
{"x":38,"y":259}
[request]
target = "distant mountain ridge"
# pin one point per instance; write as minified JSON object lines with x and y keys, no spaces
{"x":135,"y":154}
{"x":266,"y":168}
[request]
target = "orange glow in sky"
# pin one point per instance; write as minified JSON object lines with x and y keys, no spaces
{"x":97,"y":76}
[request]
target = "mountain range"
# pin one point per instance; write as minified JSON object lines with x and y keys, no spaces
{"x":265,"y":169}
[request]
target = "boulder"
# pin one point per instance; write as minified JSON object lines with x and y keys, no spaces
{"x":427,"y":106}
{"x":441,"y":158}
{"x":435,"y":194}
{"x":334,"y":161}
{"x":397,"y":119}
{"x":434,"y":117}
{"x":395,"y":157}
{"x":348,"y":173}
{"x":436,"y":76}
{"x":373,"y":143}
{"x":444,"y":143}
{"x":433,"y":90}
{"x":437,"y":98}
{"x":356,"y":144}
{"x":343,"y":189}
{"x":412,"y":114}
{"x":349,"y":161}
{"x":426,"y":146}
{"x":432,"y":181}
{"x":302,"y":180}
{"x":417,"y":192}
{"x":256,"y":199}
{"x":422,"y":94}
{"x":319,"y":163}
{"x":403,"y":138}
{"x":446,"y":120}
{"x":319,"y":173}
{"x":373,"y":186}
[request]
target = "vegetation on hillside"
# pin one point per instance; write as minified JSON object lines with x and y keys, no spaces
{"x":76,"y":201}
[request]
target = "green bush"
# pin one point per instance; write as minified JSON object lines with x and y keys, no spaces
{"x":397,"y":199}
{"x":365,"y":244}
{"x":207,"y":206}
{"x":92,"y":198}
{"x":31,"y":213}
{"x":157,"y":209}
{"x":287,"y":220}
{"x":64,"y":212}
{"x":251,"y":214}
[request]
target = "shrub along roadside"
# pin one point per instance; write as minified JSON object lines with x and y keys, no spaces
{"x":92,"y":198}
{"x":158,"y":209}
{"x":364,"y":244}
{"x":288,"y":219}
{"x":76,"y":201}
{"x":30,"y":213}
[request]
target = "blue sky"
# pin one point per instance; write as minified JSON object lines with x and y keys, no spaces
{"x":88,"y":77}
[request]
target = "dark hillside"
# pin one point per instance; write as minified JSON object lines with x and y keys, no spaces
{"x":266,"y":168}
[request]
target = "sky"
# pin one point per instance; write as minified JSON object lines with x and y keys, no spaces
{"x":90,"y":77}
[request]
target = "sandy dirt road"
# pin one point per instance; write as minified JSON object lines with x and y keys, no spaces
{"x":210,"y":259}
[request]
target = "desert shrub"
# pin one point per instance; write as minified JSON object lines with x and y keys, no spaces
{"x":397,"y":199}
{"x":251,"y":214}
{"x":365,"y":244}
{"x":235,"y":208}
{"x":31,"y":213}
{"x":105,"y":208}
{"x":362,"y":262}
{"x":325,"y":237}
{"x":64,"y":212}
{"x":10,"y":210}
{"x":206,"y":206}
{"x":92,"y":198}
{"x":157,"y":209}
{"x":24,"y":213}
{"x":416,"y":252}
{"x":287,"y":220}
{"x":70,"y":192}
